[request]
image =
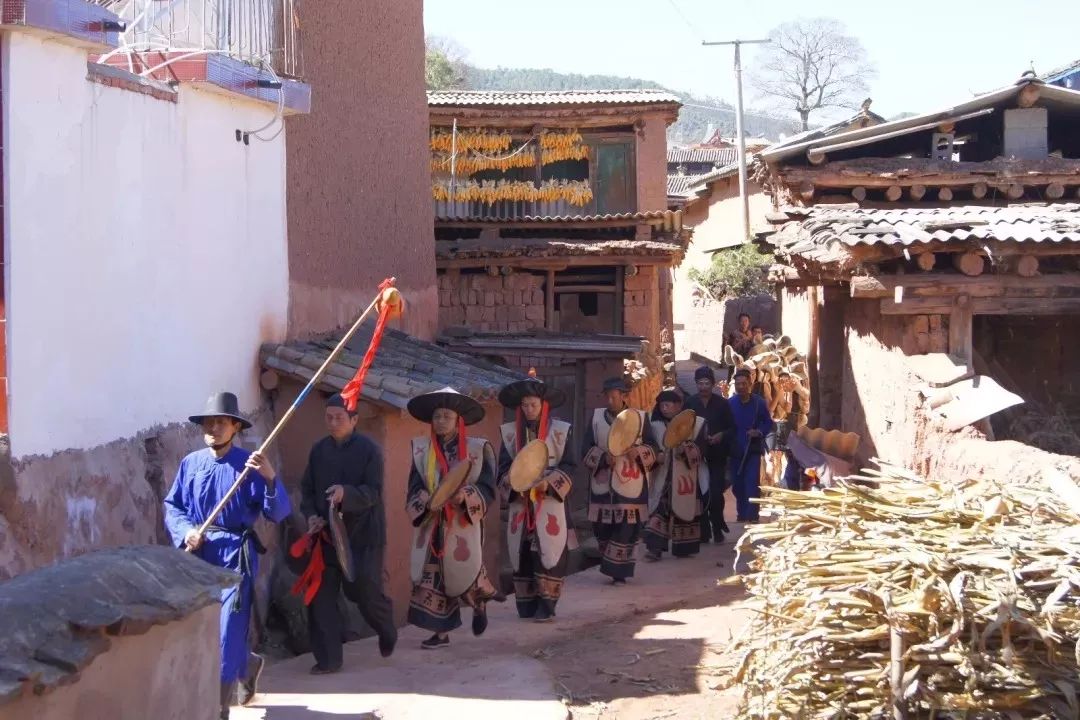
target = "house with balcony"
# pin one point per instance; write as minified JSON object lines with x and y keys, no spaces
{"x":553,"y":243}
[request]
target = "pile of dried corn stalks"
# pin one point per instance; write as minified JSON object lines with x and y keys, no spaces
{"x":894,"y":596}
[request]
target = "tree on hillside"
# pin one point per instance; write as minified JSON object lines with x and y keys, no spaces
{"x":444,"y":64}
{"x":811,"y":65}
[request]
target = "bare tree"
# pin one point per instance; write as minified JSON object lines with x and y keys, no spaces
{"x":811,"y":65}
{"x":444,"y":64}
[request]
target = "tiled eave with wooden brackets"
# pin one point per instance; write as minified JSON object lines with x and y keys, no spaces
{"x":220,"y":73}
{"x":74,"y":22}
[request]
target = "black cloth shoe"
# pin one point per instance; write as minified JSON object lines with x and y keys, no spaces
{"x":724,"y":528}
{"x":542,"y":615}
{"x":250,"y":685}
{"x":386,"y":646}
{"x":317,"y":669}
{"x":435,"y":642}
{"x":479,"y":621}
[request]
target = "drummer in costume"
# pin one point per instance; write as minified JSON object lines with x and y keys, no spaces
{"x":203,"y":479}
{"x":343,"y":484}
{"x":619,"y":488}
{"x":537,"y":525}
{"x":677,"y":483}
{"x":451,"y":485}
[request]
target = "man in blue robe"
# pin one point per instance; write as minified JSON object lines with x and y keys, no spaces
{"x":204,"y":478}
{"x":752,"y":424}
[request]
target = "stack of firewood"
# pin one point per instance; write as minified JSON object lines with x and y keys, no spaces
{"x":895,"y":596}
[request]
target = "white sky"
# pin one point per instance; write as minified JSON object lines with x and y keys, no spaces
{"x":928,"y":54}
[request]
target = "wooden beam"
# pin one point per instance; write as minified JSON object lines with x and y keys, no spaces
{"x":983,"y":306}
{"x":584,"y":288}
{"x":926,"y":261}
{"x":549,"y":300}
{"x":823,"y":150}
{"x":1028,"y":96}
{"x":1027,"y":266}
{"x":806,"y":190}
{"x":1015,"y":191}
{"x":1055,"y":191}
{"x":893,"y":193}
{"x":917,"y":192}
{"x":940,"y":285}
{"x":960,"y":322}
{"x":883,"y":172}
{"x":945,"y":194}
{"x":859,"y":193}
{"x":978,"y":190}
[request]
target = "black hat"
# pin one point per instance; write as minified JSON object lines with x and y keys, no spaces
{"x":336,"y":400}
{"x":222,"y":404}
{"x":511,"y":395}
{"x":422,"y":407}
{"x":616,"y":383}
{"x":705,"y":372}
{"x":668,"y":395}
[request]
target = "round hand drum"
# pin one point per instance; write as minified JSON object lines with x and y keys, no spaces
{"x":451,"y":483}
{"x":624,"y":432}
{"x":529,"y":465}
{"x":680,"y":429}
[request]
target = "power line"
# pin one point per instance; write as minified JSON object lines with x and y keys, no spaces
{"x":686,"y":21}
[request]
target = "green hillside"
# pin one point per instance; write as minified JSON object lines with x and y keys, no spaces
{"x":694,"y":118}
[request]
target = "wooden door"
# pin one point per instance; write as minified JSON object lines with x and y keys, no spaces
{"x":614,"y":184}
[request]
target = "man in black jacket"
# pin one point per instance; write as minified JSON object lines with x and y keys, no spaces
{"x":719,"y":424}
{"x":346,"y":469}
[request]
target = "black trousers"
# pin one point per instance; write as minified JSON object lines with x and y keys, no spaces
{"x":712,"y":516}
{"x":325,"y":624}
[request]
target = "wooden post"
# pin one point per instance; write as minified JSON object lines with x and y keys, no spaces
{"x":969,"y":263}
{"x":960,"y":322}
{"x":945,"y":194}
{"x":978,"y":190}
{"x":917,"y":192}
{"x":893,"y":193}
{"x":859,"y":193}
{"x":549,"y":301}
{"x":1055,"y":191}
{"x":926,"y":261}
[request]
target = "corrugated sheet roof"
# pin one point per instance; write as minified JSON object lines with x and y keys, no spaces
{"x":537,"y":342}
{"x":1060,"y":72}
{"x":821,"y":233}
{"x":404,"y":367}
{"x":476,"y":98}
{"x":721,"y":156}
{"x":546,"y":247}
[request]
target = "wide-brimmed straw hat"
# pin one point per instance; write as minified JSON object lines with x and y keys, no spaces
{"x":423,"y":407}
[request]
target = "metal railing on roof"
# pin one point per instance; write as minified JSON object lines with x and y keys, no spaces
{"x":265,"y":33}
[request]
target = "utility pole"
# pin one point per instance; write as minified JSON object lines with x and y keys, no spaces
{"x":739,"y":128}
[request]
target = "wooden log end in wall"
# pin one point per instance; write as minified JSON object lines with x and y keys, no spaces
{"x":1015,"y":191}
{"x":917,"y":192}
{"x":945,"y":194}
{"x":969,"y":263}
{"x":269,"y":380}
{"x":1055,"y":191}
{"x":806,"y":190}
{"x":1027,"y":266}
{"x":926,"y":260}
{"x":859,"y":193}
{"x":893,"y":193}
{"x":815,"y":156}
{"x":978,"y":190}
{"x":1028,"y":96}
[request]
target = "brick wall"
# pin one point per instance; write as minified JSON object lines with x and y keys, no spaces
{"x":500,"y":303}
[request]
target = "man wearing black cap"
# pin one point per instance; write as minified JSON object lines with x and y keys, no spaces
{"x":202,"y":481}
{"x":447,"y":557}
{"x":345,"y":469}
{"x":619,"y":488}
{"x":537,"y":530}
{"x":719,"y":424}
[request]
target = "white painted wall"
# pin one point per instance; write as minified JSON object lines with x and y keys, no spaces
{"x":146,"y":251}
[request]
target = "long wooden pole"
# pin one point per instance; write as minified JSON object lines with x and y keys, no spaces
{"x":289,"y":413}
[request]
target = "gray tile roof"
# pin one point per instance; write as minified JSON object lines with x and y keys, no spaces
{"x":679,"y":184}
{"x":551,"y":247}
{"x":821,"y":233}
{"x":404,"y":367}
{"x":475,"y":98}
{"x":717,"y":156}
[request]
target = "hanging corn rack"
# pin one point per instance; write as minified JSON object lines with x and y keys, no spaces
{"x":895,"y":596}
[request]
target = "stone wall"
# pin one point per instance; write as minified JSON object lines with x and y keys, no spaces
{"x":123,"y":634}
{"x":492,"y":303}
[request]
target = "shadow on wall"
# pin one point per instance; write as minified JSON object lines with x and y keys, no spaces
{"x":762,"y":310}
